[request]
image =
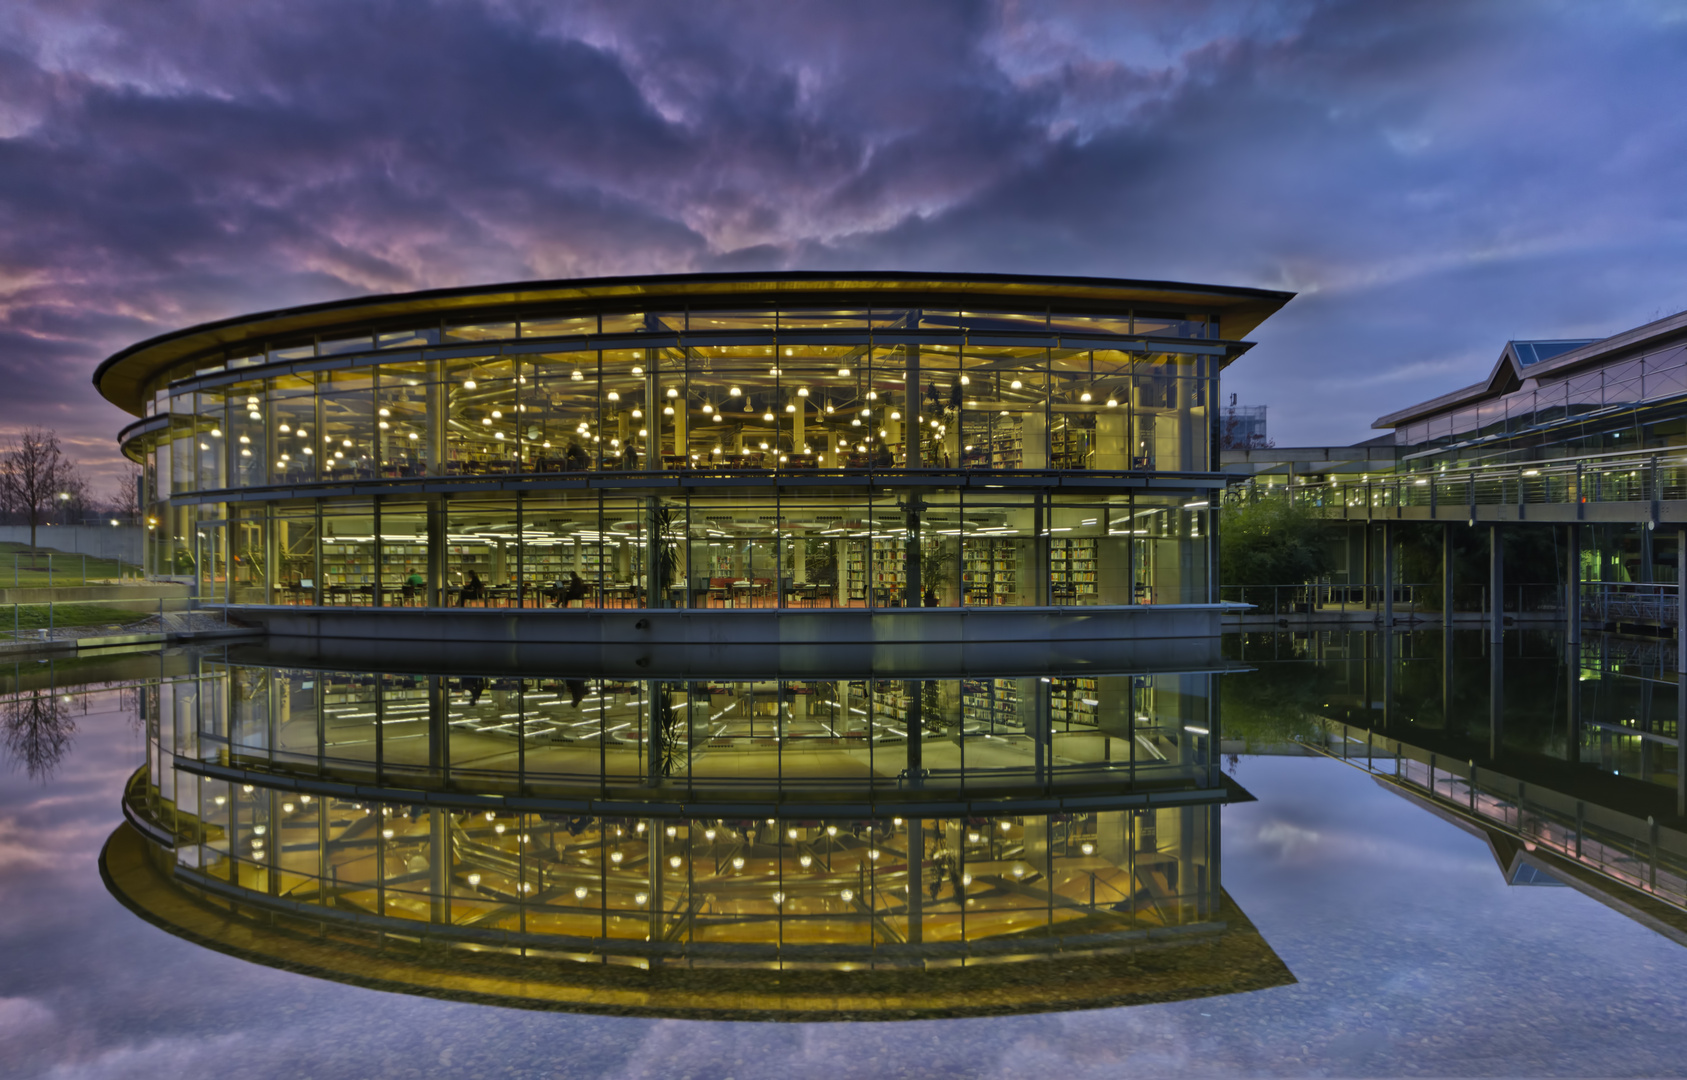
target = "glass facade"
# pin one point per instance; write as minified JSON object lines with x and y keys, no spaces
{"x":616,"y":737}
{"x":696,"y":454}
{"x":661,"y":822}
{"x":757,"y":548}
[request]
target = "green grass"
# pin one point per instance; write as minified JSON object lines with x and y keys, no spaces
{"x":32,"y":617}
{"x":67,"y":567}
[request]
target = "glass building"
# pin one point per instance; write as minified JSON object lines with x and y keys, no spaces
{"x":769,"y":441}
{"x":759,"y":848}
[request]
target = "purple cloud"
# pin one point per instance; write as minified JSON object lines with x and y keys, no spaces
{"x":1432,"y":177}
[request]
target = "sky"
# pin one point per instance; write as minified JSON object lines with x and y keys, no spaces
{"x":1432,"y":177}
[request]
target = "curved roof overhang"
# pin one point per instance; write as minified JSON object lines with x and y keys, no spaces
{"x":1226,"y":955}
{"x":122,"y":379}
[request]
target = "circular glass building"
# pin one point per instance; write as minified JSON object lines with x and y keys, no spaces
{"x":706,"y":445}
{"x":796,"y":849}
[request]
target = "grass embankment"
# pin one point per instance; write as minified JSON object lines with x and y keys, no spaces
{"x":31,"y":568}
{"x":32,"y":617}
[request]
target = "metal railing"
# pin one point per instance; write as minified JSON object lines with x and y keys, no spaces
{"x":65,"y":568}
{"x":1626,"y":478}
{"x":63,"y":620}
{"x":1305,"y":599}
{"x":1637,"y":603}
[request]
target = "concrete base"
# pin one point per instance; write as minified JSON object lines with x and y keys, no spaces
{"x":754,"y":643}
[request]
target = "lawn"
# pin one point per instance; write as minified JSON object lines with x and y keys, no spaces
{"x":23,"y":568}
{"x":32,"y":617}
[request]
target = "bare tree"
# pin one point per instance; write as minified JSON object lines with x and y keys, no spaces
{"x":33,"y":474}
{"x":38,"y":731}
{"x":125,"y":501}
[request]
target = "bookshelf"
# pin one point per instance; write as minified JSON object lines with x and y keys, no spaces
{"x":885,"y":576}
{"x":996,"y":443}
{"x":1073,"y":702}
{"x":990,"y":705}
{"x":399,"y":557}
{"x":1072,"y":564}
{"x":1069,"y":446}
{"x":989,"y":572}
{"x":347,"y":563}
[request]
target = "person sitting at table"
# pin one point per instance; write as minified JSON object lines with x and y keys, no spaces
{"x":576,"y":590}
{"x":412,"y":582}
{"x":473,"y":589}
{"x":575,"y":459}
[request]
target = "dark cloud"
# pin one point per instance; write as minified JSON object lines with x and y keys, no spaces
{"x":1432,"y":177}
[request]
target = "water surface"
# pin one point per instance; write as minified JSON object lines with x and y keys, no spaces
{"x":1412,"y":956}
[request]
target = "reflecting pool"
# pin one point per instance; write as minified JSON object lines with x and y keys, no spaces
{"x":1324,"y":856}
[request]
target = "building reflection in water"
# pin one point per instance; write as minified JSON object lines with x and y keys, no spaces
{"x":1566,"y":759}
{"x":775,"y":849}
